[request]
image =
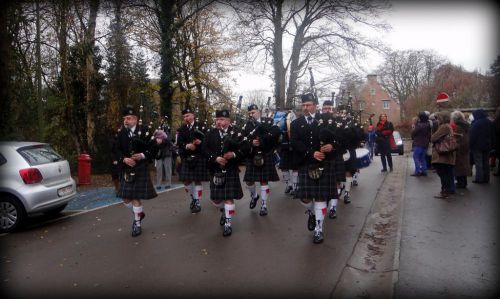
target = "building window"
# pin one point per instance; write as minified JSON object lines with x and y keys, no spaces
{"x":361,"y":105}
{"x":385,"y":104}
{"x":372,"y":91}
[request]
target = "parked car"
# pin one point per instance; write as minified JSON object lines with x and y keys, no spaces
{"x":34,"y":178}
{"x":399,"y":148}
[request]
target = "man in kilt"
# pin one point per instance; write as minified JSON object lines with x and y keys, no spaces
{"x":353,"y":135}
{"x":134,"y":150}
{"x":224,"y":152}
{"x":262,"y":137}
{"x":287,"y":155}
{"x":316,"y":179}
{"x":337,"y":168}
{"x":193,"y":168}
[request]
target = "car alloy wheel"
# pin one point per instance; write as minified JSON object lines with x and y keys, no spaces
{"x":11,"y":214}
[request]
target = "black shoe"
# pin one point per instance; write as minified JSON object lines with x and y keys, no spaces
{"x":227,"y":230}
{"x":311,"y":221}
{"x":136,"y":229}
{"x":263,"y":211}
{"x":383,"y":170}
{"x":390,"y":169}
{"x":253,"y":202}
{"x":195,"y":206}
{"x":354,"y":183}
{"x":415,"y":174}
{"x":288,"y":189}
{"x":318,"y":237}
{"x":347,"y":198}
{"x":222,"y":219}
{"x":332,"y":213}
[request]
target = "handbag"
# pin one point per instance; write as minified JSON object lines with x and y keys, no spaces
{"x":447,"y":145}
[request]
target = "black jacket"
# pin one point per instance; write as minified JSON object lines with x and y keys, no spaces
{"x":185,"y":135}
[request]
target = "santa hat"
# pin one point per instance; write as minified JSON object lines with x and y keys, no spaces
{"x":442,"y":97}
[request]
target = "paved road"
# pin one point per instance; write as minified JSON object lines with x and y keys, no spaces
{"x":185,"y":255}
{"x":442,"y":249}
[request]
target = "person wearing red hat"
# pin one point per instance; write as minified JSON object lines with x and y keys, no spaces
{"x":442,"y":101}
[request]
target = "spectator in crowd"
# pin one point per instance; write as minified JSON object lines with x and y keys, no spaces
{"x":421,"y":135}
{"x":370,"y":141}
{"x":163,"y":159}
{"x":434,"y":125}
{"x":462,"y":161}
{"x":443,"y":162}
{"x":480,"y":141}
{"x":496,"y":138}
{"x":384,"y":131}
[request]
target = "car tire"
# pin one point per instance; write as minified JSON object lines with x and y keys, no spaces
{"x":12,"y":213}
{"x":55,"y":211}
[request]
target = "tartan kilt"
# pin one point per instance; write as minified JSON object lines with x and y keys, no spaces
{"x":266,"y":173}
{"x":198,"y":173}
{"x":140,"y":188}
{"x":339,"y":168}
{"x":230,"y":190}
{"x":324,"y":188}
{"x":287,"y":160}
{"x":350,"y":165}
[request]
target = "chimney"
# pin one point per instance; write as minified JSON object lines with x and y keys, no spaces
{"x":372,"y":78}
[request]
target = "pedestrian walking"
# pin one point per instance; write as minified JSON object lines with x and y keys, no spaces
{"x":224,"y":151}
{"x":443,"y":162}
{"x":262,"y":138}
{"x":480,"y":144}
{"x":315,"y":158}
{"x":384,"y":129}
{"x":370,"y":141}
{"x":193,"y":166}
{"x":134,"y":151}
{"x":421,"y":135}
{"x":462,"y":161}
{"x":287,"y":155}
{"x":163,"y":159}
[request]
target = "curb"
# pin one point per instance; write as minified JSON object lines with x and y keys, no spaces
{"x":372,"y":269}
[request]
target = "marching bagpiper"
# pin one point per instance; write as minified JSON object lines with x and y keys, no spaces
{"x":193,"y":169}
{"x":316,"y":180}
{"x":262,"y":137}
{"x":224,"y":151}
{"x":133,"y":151}
{"x":287,"y":155}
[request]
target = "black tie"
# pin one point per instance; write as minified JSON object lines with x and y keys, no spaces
{"x":309,"y":119}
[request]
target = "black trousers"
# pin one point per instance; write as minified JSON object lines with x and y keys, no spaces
{"x":384,"y":148}
{"x":445,"y":173}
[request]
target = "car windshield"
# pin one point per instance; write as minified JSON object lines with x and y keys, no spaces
{"x":39,"y":154}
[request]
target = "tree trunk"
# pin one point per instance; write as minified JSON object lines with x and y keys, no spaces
{"x":279,"y":68}
{"x":166,"y":20}
{"x":90,"y":74}
{"x":294,"y":66}
{"x":39,"y":76}
{"x":62,"y":24}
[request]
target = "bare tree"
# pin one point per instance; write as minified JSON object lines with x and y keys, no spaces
{"x":404,"y":73}
{"x":320,"y":31}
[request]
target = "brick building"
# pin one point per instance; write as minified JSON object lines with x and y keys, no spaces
{"x":371,"y":97}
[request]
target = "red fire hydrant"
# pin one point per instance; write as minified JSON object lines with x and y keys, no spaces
{"x":84,"y":169}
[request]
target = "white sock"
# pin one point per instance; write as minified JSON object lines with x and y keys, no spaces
{"x":198,"y":191}
{"x":309,"y":206}
{"x":286,"y":177}
{"x":348,"y":184}
{"x":253,"y":192}
{"x":137,"y":211}
{"x":229,"y":210}
{"x":295,"y":179}
{"x":264,"y":192}
{"x":320,"y":211}
{"x":333,"y":202}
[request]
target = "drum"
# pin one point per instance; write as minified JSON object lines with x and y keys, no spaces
{"x":362,"y":158}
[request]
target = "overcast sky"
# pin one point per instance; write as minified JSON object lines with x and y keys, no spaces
{"x":465,"y":33}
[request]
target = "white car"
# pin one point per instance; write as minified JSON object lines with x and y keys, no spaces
{"x":33,"y":178}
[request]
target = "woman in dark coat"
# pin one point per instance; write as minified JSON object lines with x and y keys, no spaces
{"x":384,"y":131}
{"x":480,"y":143}
{"x":462,"y":163}
{"x":444,"y":163}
